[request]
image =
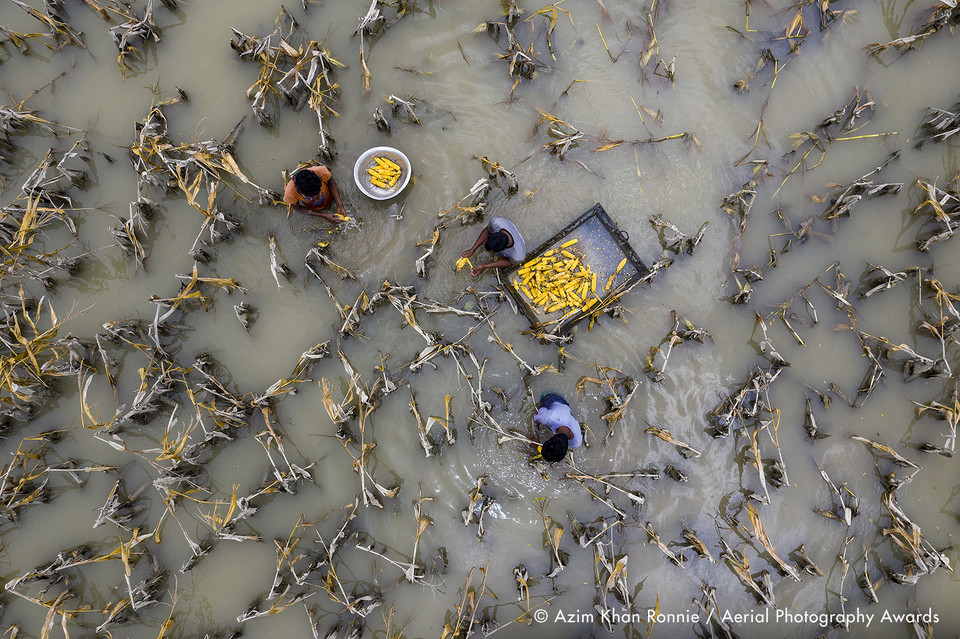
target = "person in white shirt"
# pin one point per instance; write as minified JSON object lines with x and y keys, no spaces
{"x":556,"y":415}
{"x":502,"y":238}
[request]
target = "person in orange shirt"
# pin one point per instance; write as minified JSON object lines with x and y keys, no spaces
{"x":312,"y":190}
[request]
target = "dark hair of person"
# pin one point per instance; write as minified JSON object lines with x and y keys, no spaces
{"x":555,"y":448}
{"x":308,"y":183}
{"x":496,"y":242}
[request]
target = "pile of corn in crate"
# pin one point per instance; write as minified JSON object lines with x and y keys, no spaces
{"x":559,"y":280}
{"x":576,"y":274}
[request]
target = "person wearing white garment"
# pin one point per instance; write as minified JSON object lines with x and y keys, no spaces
{"x":502,"y":238}
{"x":554,"y":413}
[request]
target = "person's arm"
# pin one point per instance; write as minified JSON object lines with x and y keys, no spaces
{"x":536,"y":431}
{"x":333,"y":218}
{"x":484,"y":234}
{"x":336,"y":197}
{"x":495,"y":264}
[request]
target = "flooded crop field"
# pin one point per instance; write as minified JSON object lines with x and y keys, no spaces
{"x":221,"y":417}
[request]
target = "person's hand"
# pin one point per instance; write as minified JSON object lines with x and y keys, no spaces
{"x":468,"y":253}
{"x":342,"y":212}
{"x":477,"y":270}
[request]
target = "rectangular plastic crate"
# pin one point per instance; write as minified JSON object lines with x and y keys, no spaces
{"x":601,"y":245}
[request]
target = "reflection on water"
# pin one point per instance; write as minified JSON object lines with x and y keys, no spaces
{"x":238,"y":482}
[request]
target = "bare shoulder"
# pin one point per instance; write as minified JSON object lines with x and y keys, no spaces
{"x":322,"y":172}
{"x":290,"y":195}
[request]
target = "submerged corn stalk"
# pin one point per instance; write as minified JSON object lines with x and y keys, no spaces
{"x":942,"y":14}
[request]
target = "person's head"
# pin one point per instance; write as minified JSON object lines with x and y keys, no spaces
{"x":555,"y":448}
{"x":308,"y":183}
{"x":497,"y":241}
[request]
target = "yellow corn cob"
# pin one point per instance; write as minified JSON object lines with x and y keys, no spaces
{"x":393,"y":165}
{"x":558,"y":280}
{"x":620,"y":266}
{"x":379,"y":171}
{"x":463,"y":261}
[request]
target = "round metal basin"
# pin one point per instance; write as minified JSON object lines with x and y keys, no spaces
{"x":366,"y":161}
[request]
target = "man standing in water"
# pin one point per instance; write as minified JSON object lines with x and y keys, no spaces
{"x":555,"y":414}
{"x":501,"y":238}
{"x":312,"y":190}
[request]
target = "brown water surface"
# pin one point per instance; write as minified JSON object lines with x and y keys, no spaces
{"x":470,"y":108}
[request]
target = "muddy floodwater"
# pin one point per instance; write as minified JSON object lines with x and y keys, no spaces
{"x":223,"y":418}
